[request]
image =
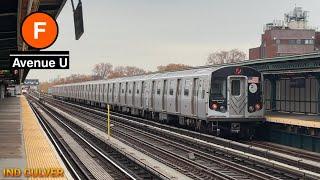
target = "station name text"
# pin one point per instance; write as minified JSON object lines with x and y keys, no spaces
{"x":52,"y":60}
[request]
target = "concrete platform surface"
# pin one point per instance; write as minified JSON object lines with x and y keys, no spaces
{"x":23,"y":143}
{"x":12,"y":154}
{"x":294,"y":119}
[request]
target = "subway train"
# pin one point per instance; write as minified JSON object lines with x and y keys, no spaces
{"x":224,"y":101}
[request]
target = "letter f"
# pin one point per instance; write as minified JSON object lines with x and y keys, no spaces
{"x":37,"y":29}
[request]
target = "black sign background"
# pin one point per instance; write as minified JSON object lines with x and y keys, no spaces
{"x":42,"y":56}
{"x":78,"y":21}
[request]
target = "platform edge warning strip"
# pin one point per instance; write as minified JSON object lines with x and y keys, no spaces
{"x":296,"y":122}
{"x":39,"y":153}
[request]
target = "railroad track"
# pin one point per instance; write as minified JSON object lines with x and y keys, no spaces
{"x":235,"y":167}
{"x":285,"y":149}
{"x":75,"y":167}
{"x":274,"y":154}
{"x":114,"y":163}
{"x":172,"y":153}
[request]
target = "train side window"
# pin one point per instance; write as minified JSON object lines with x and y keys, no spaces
{"x":171,"y":92}
{"x":186,"y":92}
{"x":235,"y":87}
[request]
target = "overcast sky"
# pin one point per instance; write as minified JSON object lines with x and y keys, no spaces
{"x":148,"y":33}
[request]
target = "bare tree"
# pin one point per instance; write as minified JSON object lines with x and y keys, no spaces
{"x":102,"y":70}
{"x":172,"y":67}
{"x":133,"y":71}
{"x":221,"y":57}
{"x":123,"y":71}
{"x":73,"y":78}
{"x":118,"y":71}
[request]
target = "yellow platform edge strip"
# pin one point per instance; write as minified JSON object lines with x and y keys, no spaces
{"x":296,"y":122}
{"x":39,"y":153}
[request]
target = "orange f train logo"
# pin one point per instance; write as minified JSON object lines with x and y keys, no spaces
{"x":39,"y":30}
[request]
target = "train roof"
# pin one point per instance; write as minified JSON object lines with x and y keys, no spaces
{"x":153,"y":76}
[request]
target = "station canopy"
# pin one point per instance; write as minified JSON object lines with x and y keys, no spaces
{"x":12,"y":13}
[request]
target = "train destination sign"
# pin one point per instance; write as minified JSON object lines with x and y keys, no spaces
{"x":39,"y":59}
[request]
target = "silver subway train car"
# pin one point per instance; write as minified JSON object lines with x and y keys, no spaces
{"x":218,"y":100}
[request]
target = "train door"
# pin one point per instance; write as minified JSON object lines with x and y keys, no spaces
{"x":115,"y":93}
{"x":153,"y":95}
{"x":93,"y":92}
{"x":178,"y":94}
{"x":133,"y":93}
{"x":195,"y":91}
{"x":126,"y":93}
{"x":89,"y":92}
{"x":119,"y":92}
{"x":142,"y":94}
{"x":102,"y":93}
{"x":85,"y":92}
{"x":105,"y":93}
{"x":237,"y":96}
{"x":98,"y":87}
{"x":112,"y":94}
{"x":98,"y":92}
{"x":164,"y":95}
{"x":108,"y":93}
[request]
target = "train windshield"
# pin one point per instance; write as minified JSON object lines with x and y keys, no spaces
{"x":218,"y":89}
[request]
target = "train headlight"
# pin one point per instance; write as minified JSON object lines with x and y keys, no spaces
{"x":214,"y":106}
{"x":251,"y":108}
{"x":258,"y":107}
{"x":222,"y":109}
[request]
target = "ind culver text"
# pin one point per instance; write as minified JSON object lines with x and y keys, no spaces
{"x":33,"y":172}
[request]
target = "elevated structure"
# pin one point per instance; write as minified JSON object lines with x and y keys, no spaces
{"x":292,"y":82}
{"x":292,"y":99}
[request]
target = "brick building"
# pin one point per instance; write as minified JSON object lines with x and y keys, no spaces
{"x":289,"y":37}
{"x":317,"y":42}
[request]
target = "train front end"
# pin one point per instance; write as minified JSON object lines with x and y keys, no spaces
{"x":236,"y":100}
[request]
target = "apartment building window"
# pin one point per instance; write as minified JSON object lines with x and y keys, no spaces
{"x":308,"y":41}
{"x":300,"y":41}
{"x":292,"y":41}
{"x":278,"y":41}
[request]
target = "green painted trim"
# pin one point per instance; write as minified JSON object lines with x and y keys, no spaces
{"x":298,"y":64}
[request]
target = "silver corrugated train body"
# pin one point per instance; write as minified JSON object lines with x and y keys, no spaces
{"x":220,"y":100}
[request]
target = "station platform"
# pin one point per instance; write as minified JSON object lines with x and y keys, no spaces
{"x":311,"y":121}
{"x":23,"y":143}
